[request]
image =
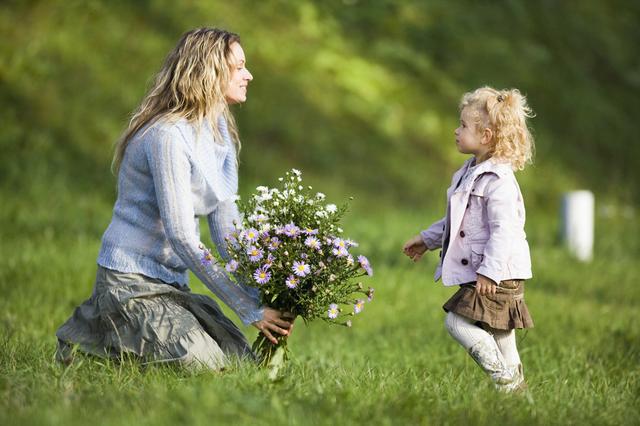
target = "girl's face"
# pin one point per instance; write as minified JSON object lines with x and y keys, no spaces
{"x":470,"y":139}
{"x":240,"y":77}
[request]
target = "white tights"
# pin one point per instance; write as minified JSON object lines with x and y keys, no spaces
{"x":494,"y":350}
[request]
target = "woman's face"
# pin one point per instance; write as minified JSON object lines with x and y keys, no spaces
{"x":240,"y":77}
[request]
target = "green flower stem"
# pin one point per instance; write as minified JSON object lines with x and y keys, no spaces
{"x":271,"y":356}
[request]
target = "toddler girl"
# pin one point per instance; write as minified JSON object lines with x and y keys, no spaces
{"x":484,"y":246}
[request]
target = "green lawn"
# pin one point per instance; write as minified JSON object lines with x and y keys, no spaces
{"x":363,"y":97}
{"x":397,"y":365}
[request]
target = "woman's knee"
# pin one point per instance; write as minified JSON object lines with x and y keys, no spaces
{"x":201,"y":351}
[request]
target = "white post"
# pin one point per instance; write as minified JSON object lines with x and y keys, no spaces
{"x":578,"y":223}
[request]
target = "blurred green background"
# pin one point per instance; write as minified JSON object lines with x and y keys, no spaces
{"x":362,"y":96}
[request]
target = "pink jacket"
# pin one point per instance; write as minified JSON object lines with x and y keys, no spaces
{"x":483,"y":230}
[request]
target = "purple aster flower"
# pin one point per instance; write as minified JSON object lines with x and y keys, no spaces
{"x":292,"y":282}
{"x":340,"y":252}
{"x":291,"y":230}
{"x":251,"y":235}
{"x":255,"y":254}
{"x":269,"y":261}
{"x":310,"y":231}
{"x":364,"y":263}
{"x":351,"y":243}
{"x":207,"y":257}
{"x":264,"y":234}
{"x":274,"y":244}
{"x":370,"y":294}
{"x":301,"y":269}
{"x":258,"y":218}
{"x":333,"y":311}
{"x":262,"y":276}
{"x":359,"y":306}
{"x":232,"y":266}
{"x":339,"y":243}
{"x":232,"y":237}
{"x":312,"y":242}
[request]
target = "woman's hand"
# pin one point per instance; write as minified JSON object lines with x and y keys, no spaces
{"x":415,"y":248}
{"x":485,"y":286}
{"x":274,"y":321}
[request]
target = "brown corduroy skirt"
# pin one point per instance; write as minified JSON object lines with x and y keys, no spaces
{"x":504,"y":310}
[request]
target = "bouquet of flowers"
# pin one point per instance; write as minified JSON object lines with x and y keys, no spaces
{"x":290,"y":246}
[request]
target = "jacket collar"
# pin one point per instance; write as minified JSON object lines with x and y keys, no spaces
{"x":491,"y":165}
{"x":500,"y":169}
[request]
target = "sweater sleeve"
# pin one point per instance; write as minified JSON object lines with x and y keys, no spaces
{"x":170,"y":166}
{"x":221,"y":223}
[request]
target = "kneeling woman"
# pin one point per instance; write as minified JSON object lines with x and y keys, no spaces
{"x":176,"y":161}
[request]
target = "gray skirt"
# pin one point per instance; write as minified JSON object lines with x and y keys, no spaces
{"x":153,"y":321}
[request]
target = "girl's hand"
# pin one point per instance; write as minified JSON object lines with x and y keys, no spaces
{"x":485,"y":286}
{"x":274,"y":320}
{"x":415,"y":248}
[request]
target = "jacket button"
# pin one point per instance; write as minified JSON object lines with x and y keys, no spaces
{"x":473,"y":190}
{"x":465,"y":262}
{"x":462,"y":234}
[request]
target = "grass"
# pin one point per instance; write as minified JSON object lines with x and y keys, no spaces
{"x":378,"y":83}
{"x":396,"y":365}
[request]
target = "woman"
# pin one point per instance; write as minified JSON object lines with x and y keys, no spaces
{"x":176,"y":161}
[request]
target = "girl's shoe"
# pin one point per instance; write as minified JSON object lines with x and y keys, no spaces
{"x":517,"y":385}
{"x":487,"y":355}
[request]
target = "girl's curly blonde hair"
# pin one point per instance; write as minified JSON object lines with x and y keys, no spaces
{"x":505,"y":112}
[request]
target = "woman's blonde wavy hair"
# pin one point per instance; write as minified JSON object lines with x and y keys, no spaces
{"x":191,"y":85}
{"x":505,"y":112}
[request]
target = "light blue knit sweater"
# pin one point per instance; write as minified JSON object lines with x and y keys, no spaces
{"x":171,"y":174}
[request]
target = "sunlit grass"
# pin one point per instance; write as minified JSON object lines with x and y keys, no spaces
{"x":397,"y":365}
